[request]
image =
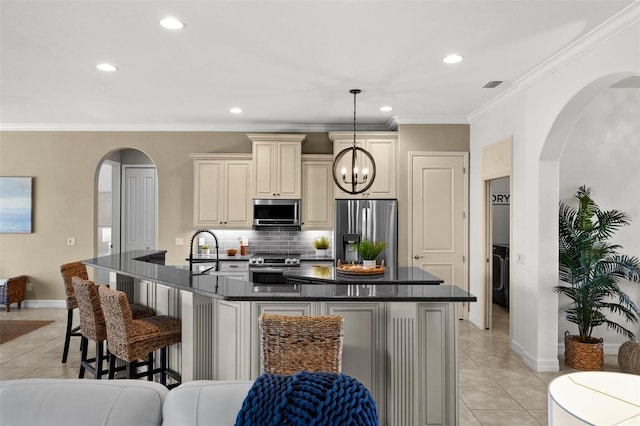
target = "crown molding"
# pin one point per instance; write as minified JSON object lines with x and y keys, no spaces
{"x":391,"y":125}
{"x":603,"y":32}
{"x":624,"y":19}
{"x":175,"y":127}
{"x":394,"y":122}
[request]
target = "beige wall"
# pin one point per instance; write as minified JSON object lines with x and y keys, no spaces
{"x":422,"y":137}
{"x":64,"y":166}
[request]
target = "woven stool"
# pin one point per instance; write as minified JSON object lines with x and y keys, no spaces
{"x":298,"y":343}
{"x":12,"y":290}
{"x":629,"y":357}
{"x":92,"y":325}
{"x":78,"y":269}
{"x":133,"y":339}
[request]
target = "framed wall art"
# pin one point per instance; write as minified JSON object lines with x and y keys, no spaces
{"x":16,"y":205}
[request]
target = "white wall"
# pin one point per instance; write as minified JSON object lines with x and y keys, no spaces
{"x":540,"y":113}
{"x":602,"y":152}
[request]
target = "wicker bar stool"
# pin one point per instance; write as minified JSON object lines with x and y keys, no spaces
{"x":78,"y":269}
{"x":92,"y":326}
{"x":135,"y":339}
{"x":299,"y":343}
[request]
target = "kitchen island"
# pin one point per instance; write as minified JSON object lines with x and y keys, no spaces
{"x":400,"y":328}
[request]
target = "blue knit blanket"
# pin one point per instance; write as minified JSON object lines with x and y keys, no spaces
{"x":305,"y":398}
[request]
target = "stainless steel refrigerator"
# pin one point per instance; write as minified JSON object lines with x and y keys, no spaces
{"x":375,"y":220}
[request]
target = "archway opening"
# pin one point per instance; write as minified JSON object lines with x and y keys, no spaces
{"x":566,"y":159}
{"x":126,"y":203}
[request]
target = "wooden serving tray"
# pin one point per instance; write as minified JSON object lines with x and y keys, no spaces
{"x":353,"y":269}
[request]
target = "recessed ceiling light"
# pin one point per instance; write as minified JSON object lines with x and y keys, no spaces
{"x":452,"y":59}
{"x":236,"y":110}
{"x":107,"y":67}
{"x":385,"y":108}
{"x":172,"y":23}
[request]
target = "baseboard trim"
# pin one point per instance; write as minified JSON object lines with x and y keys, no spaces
{"x":538,"y":365}
{"x":475,"y":320}
{"x":44,"y":303}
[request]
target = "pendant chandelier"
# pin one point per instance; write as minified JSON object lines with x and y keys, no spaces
{"x":354,"y":181}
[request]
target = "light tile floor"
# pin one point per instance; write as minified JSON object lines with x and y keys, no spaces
{"x":496,"y":387}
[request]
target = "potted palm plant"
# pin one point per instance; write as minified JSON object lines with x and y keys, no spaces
{"x":590,"y":270}
{"x":369,"y":250}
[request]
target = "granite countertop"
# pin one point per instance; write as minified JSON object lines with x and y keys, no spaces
{"x":330,"y":275}
{"x":401,"y":285}
{"x":200,"y":258}
{"x":312,"y":257}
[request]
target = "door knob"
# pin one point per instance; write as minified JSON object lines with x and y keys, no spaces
{"x":418,"y":257}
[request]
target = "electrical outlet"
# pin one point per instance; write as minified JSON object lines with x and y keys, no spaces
{"x":28,"y":285}
{"x":71,"y":241}
{"x":179,"y":241}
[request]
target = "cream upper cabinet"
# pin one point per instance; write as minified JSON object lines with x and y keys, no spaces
{"x":317,"y":192}
{"x":222,"y":190}
{"x":277,"y":165}
{"x":383,"y":147}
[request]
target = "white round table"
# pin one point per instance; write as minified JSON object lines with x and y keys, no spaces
{"x":596,"y":398}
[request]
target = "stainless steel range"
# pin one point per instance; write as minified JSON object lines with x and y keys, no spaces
{"x":267,"y":268}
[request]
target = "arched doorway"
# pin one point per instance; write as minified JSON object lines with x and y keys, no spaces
{"x":126,"y":203}
{"x":551,"y":156}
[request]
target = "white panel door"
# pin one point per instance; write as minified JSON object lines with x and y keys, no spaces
{"x":438,"y":217}
{"x":139,"y":208}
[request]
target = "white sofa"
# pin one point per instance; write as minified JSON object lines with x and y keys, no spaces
{"x":119,"y":402}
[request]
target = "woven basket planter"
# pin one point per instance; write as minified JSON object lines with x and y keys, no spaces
{"x":629,"y":357}
{"x":583,"y":356}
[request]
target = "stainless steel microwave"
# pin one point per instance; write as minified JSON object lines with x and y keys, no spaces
{"x":276,"y":213}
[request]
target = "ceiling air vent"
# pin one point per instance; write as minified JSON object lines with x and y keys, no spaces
{"x":492,"y":84}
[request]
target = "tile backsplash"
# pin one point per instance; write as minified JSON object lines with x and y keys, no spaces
{"x":274,"y":240}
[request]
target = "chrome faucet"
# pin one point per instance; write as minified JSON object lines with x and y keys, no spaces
{"x":198,"y":232}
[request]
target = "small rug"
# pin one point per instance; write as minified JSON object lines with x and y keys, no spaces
{"x":10,"y":329}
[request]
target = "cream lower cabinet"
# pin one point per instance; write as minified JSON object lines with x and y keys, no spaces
{"x":383,"y":148}
{"x":363,"y":352}
{"x":317,"y":192}
{"x":237,"y":270}
{"x":222,"y":190}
